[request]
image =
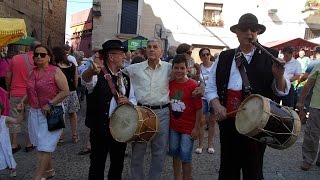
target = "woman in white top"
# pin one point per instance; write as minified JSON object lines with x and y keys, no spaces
{"x":208,"y":116}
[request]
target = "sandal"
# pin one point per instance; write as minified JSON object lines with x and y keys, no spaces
{"x":199,"y":150}
{"x":61,"y":140}
{"x":75,"y":138}
{"x":85,"y":151}
{"x":211,"y":150}
{"x":52,"y":174}
{"x":13,"y":173}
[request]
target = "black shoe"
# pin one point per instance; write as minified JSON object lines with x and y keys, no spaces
{"x":29,"y":148}
{"x":14,"y":150}
{"x":318,"y":163}
{"x":85,"y":151}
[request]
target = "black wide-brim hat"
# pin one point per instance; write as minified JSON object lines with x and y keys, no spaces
{"x":248,"y":20}
{"x":113,"y":45}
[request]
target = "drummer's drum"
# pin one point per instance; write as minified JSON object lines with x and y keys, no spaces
{"x":266,"y":121}
{"x":133,"y":123}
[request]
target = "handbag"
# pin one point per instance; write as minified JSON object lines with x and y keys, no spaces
{"x":55,"y":118}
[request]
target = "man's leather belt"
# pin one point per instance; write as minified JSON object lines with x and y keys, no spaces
{"x":154,"y":107}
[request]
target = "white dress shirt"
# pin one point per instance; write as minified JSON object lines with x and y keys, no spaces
{"x":151,"y":85}
{"x":235,"y":80}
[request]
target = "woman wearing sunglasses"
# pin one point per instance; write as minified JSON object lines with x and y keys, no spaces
{"x":193,"y":68}
{"x":207,"y":116}
{"x":47,"y":86}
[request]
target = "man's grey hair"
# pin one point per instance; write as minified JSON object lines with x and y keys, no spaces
{"x":78,"y":54}
{"x":158,"y":40}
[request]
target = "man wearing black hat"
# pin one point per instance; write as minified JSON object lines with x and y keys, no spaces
{"x":101,"y":102}
{"x":226,"y":89}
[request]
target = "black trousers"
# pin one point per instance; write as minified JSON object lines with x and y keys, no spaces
{"x":239,"y":152}
{"x":103,"y":143}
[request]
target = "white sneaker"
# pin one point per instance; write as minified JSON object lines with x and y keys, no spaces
{"x":199,"y":150}
{"x":211,"y":150}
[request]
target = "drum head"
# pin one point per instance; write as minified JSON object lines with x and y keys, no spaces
{"x":124,"y":122}
{"x":253,"y":115}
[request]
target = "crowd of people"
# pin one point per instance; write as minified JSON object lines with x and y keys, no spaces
{"x":187,"y":98}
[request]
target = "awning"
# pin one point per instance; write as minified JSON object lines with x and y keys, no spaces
{"x":25,"y":41}
{"x":11,"y":30}
{"x":297,"y":43}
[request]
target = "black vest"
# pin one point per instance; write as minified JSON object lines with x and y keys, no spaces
{"x":259,"y":73}
{"x":98,"y":103}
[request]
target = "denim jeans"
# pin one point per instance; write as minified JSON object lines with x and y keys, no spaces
{"x":180,"y":145}
{"x":158,"y":150}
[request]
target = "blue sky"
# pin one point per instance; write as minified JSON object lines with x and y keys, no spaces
{"x":74,"y":6}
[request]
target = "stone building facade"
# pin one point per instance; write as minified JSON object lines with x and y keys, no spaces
{"x":45,"y":19}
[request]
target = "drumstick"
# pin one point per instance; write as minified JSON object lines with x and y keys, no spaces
{"x":235,"y":111}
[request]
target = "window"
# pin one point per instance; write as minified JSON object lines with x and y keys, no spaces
{"x":311,"y":33}
{"x":212,"y":15}
{"x":129,"y":17}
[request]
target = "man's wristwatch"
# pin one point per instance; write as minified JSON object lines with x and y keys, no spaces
{"x":50,"y":104}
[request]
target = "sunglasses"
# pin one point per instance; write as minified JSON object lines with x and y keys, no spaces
{"x":189,"y":52}
{"x":205,"y":54}
{"x":42,"y":55}
{"x":245,"y":29}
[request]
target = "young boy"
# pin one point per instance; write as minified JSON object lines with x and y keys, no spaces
{"x":185,"y":114}
{"x":6,"y":157}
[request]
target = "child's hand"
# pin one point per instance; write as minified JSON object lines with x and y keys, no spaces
{"x":195,"y":133}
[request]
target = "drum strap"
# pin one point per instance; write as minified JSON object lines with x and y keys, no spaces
{"x":243,"y":72}
{"x":107,"y":76}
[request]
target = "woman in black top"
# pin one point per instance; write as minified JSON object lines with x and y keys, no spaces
{"x":71,"y":103}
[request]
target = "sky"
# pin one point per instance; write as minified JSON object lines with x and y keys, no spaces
{"x":74,"y":6}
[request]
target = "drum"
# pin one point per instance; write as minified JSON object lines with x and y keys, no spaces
{"x":266,"y":121}
{"x":133,"y":123}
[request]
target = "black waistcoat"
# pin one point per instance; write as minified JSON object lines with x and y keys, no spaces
{"x":98,"y":103}
{"x":259,"y":73}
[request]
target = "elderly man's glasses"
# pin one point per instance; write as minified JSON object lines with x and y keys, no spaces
{"x":205,"y":54}
{"x":42,"y":55}
{"x":246,"y":28}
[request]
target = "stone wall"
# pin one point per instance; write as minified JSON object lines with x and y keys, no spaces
{"x":53,"y":27}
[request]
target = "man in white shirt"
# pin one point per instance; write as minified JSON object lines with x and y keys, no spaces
{"x":150,"y":80}
{"x":293,"y":72}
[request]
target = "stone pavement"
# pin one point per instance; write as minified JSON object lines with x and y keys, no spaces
{"x":279,"y":164}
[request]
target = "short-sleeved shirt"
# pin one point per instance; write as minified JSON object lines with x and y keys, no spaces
{"x":292,"y":68}
{"x":304,"y":63}
{"x":72,"y":59}
{"x":312,"y":64}
{"x":315,"y":99}
{"x":20,"y":73}
{"x":183,"y":106}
